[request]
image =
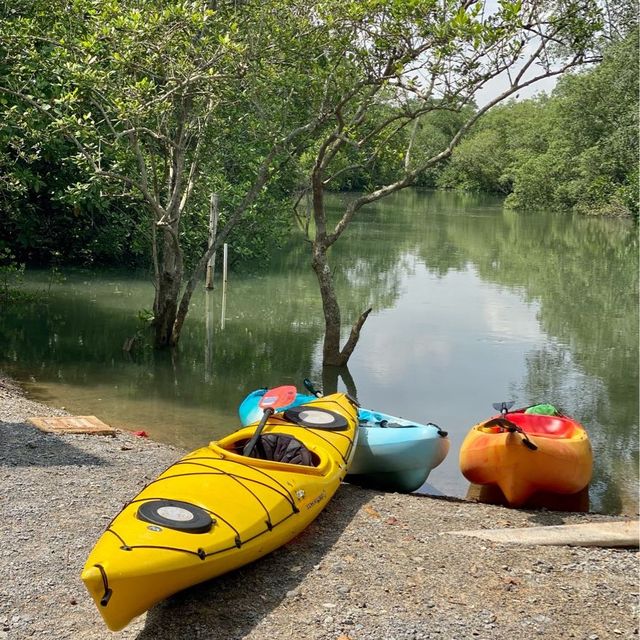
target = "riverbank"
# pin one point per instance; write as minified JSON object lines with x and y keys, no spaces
{"x":373,"y":566}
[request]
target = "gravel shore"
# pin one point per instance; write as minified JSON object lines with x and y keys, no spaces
{"x":373,"y":566}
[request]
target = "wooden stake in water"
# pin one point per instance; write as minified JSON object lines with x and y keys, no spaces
{"x":225,"y":257}
{"x":208,"y":341}
{"x":213,"y":229}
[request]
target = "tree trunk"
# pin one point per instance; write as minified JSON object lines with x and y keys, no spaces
{"x":167,"y":292}
{"x":331,"y":348}
{"x":332,"y":355}
{"x":166,"y":307}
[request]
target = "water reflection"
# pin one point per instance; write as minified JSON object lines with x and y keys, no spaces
{"x":471,"y":305}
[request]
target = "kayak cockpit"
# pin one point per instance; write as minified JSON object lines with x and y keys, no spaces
{"x":279,"y":447}
{"x":547,"y":426}
{"x":231,"y":448}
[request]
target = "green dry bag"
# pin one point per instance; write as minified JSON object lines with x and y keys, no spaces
{"x":543,"y":410}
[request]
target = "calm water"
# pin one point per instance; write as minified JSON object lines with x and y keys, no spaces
{"x":471,"y":305}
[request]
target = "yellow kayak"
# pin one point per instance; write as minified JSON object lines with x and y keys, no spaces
{"x":217,"y":509}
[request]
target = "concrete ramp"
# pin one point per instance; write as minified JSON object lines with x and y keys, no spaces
{"x":592,"y":534}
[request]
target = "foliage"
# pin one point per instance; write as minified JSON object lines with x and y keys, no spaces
{"x":11,"y":275}
{"x":159,"y":104}
{"x":399,"y":86}
{"x":74,"y":98}
{"x":576,"y":150}
{"x":506,"y":136}
{"x":137,"y":111}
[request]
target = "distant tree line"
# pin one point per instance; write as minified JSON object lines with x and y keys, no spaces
{"x":577,"y":149}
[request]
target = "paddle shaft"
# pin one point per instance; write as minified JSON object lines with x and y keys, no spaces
{"x":250,"y":446}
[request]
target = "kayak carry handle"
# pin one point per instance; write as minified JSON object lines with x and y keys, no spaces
{"x":441,"y":432}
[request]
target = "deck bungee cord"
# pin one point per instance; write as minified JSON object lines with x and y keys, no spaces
{"x":215,"y":471}
{"x":288,"y":495}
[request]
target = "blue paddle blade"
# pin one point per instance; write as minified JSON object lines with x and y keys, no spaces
{"x":503,"y":407}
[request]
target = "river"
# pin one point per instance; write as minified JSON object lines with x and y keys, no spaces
{"x":472,"y":305}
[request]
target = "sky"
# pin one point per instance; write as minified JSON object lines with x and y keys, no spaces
{"x":498,"y":85}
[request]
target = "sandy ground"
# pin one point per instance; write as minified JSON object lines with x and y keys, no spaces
{"x":372,"y":566}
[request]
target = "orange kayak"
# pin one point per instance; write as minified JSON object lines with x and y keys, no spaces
{"x":525,"y":453}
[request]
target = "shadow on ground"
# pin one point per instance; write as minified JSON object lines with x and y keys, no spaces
{"x":22,"y":445}
{"x":230,"y":606}
{"x":539,"y":505}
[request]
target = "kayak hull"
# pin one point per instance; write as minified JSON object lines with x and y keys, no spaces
{"x":397,"y":458}
{"x":255,"y":506}
{"x":561,"y":463}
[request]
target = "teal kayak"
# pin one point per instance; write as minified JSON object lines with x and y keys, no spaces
{"x":392,"y":453}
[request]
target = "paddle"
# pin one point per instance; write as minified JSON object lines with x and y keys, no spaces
{"x":505,"y":423}
{"x":503,"y":407}
{"x":310,"y":388}
{"x":270,"y":401}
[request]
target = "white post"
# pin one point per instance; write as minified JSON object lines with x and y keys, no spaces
{"x":225,"y":257}
{"x":213,"y":228}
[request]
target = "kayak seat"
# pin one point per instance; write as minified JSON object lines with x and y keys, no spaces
{"x":280,"y":447}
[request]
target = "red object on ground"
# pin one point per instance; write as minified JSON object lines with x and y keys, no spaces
{"x":141,"y":434}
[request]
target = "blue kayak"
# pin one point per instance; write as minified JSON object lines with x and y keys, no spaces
{"x":392,"y":453}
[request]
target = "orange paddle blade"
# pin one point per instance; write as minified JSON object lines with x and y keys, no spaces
{"x":278,"y":397}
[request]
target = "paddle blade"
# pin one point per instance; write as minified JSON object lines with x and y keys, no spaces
{"x":270,"y":401}
{"x":278,"y":397}
{"x":503,"y":407}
